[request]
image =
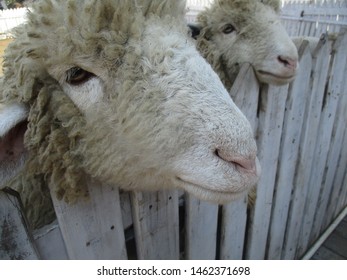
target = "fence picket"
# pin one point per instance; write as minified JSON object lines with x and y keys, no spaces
{"x":271,"y":112}
{"x":332,"y":97}
{"x":306,"y":152}
{"x":155,"y":216}
{"x":201,"y":228}
{"x":293,"y":120}
{"x":16,"y":241}
{"x":50,"y":243}
{"x":334,"y":151}
{"x":234,"y":214}
{"x":93,"y":229}
{"x":338,"y":187}
{"x":313,"y":19}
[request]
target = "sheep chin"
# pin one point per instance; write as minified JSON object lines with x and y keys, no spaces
{"x":270,"y":78}
{"x":210,"y":195}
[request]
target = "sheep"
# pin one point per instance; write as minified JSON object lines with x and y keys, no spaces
{"x":116,"y":91}
{"x":232,"y":32}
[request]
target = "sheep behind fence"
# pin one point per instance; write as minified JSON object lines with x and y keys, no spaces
{"x":302,"y":141}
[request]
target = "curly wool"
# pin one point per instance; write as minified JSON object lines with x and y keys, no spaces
{"x":56,"y":126}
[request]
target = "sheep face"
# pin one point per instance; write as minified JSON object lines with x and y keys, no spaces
{"x":153,"y":113}
{"x":248,"y":31}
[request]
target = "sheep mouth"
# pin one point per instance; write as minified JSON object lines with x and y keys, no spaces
{"x":204,"y":193}
{"x":275,"y":76}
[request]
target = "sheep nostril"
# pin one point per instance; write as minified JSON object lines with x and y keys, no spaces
{"x":288,"y":62}
{"x":241,"y":163}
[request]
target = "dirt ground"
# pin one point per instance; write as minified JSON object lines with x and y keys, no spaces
{"x":3,"y":45}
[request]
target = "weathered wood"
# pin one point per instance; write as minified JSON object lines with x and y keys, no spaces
{"x":245,"y":94}
{"x":332,"y":98}
{"x":342,"y":201}
{"x":93,"y":228}
{"x":314,"y":18}
{"x":292,"y":127}
{"x":333,"y":156}
{"x":201,"y":229}
{"x":125,"y":204}
{"x":16,"y":241}
{"x":234,"y":215}
{"x":155,"y":216}
{"x":271,"y":113}
{"x":339,"y":188}
{"x":233,"y":229}
{"x":49,"y":242}
{"x":307,"y":145}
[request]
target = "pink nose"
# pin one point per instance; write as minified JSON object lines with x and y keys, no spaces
{"x":242,"y":163}
{"x":288,"y":62}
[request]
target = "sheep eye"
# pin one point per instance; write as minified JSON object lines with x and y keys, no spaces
{"x":227,"y":29}
{"x":77,"y":76}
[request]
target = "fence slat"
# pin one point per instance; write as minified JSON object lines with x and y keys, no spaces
{"x":333,"y":152}
{"x":201,"y":228}
{"x":93,"y":229}
{"x":233,"y":230}
{"x":49,"y":242}
{"x":271,"y":113}
{"x":339,"y":187}
{"x":313,"y":19}
{"x":307,"y":144}
{"x":332,"y":97}
{"x":155,"y":216}
{"x":292,"y":127}
{"x":16,"y":242}
{"x":234,"y":214}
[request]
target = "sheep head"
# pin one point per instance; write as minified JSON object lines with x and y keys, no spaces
{"x":233,"y":32}
{"x":116,"y":90}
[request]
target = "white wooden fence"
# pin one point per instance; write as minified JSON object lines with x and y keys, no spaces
{"x":10,"y":18}
{"x":302,"y":140}
{"x":303,"y":18}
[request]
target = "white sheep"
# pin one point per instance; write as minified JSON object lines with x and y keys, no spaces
{"x":116,"y":90}
{"x":232,"y":32}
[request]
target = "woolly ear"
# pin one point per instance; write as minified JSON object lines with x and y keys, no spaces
{"x":195,"y":30}
{"x":13,"y":124}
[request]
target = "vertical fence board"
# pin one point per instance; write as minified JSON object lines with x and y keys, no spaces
{"x":16,"y":241}
{"x":233,"y":231}
{"x":155,"y":216}
{"x":321,"y":152}
{"x":342,"y":200}
{"x":49,"y":242}
{"x":201,"y":228}
{"x":246,"y":94}
{"x":342,"y":203}
{"x":271,"y":114}
{"x":332,"y":158}
{"x":334,"y":207}
{"x":234,"y":214}
{"x":93,"y":229}
{"x":293,"y":120}
{"x":307,"y":145}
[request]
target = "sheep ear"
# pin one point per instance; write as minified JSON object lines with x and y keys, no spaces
{"x":13,"y":124}
{"x":195,"y":30}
